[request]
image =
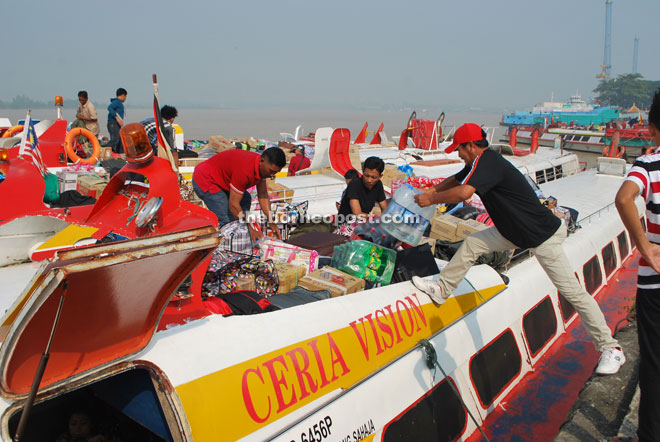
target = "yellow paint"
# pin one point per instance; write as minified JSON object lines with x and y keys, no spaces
{"x":67,"y":237}
{"x":285,"y":174}
{"x":215,"y":405}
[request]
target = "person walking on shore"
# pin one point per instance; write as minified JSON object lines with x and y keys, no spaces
{"x":643,"y":180}
{"x":116,"y":120}
{"x":87,"y":113}
{"x":521,"y":221}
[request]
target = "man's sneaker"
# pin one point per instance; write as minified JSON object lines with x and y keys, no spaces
{"x":431,"y":288}
{"x":610,"y":361}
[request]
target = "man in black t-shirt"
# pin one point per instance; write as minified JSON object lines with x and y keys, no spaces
{"x":521,"y":221}
{"x":362,"y":194}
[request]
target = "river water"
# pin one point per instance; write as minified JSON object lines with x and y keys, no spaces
{"x":200,"y":124}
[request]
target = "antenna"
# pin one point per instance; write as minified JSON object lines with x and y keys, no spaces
{"x":635,"y":50}
{"x":607,"y":53}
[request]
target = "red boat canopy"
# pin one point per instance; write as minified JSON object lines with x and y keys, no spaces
{"x":113,"y":297}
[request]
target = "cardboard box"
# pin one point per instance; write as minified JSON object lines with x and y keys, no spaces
{"x":190,"y":162}
{"x":68,"y":180}
{"x":469,"y":226}
{"x":444,"y":227}
{"x":245,"y":283}
{"x":336,"y":282}
{"x":390,"y":174}
{"x":289,"y":276}
{"x":279,"y":192}
{"x":91,"y":185}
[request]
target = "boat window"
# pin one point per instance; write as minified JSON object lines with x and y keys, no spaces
{"x":438,"y":415}
{"x":609,"y":259}
{"x":124,"y":407}
{"x":550,"y":174}
{"x":622,"y":239}
{"x":559,"y":171}
{"x":539,"y":325}
{"x":540,"y":177}
{"x":585,"y":138}
{"x":495,"y":367}
{"x":592,"y":275}
{"x":567,"y":309}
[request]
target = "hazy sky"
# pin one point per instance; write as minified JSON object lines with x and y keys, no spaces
{"x":468,"y":53}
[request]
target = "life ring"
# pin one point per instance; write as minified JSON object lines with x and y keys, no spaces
{"x":68,"y":146}
{"x":619,"y":153}
{"x":12,"y":131}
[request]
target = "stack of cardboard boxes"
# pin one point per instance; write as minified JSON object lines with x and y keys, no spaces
{"x":336,"y":282}
{"x":91,"y":185}
{"x":450,"y":228}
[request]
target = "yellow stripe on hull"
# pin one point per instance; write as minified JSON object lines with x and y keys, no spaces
{"x":236,"y":401}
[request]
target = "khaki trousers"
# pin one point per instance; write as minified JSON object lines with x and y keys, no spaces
{"x":552,"y":258}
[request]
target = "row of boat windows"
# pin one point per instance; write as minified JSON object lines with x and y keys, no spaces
{"x":580,"y":138}
{"x":549,"y":174}
{"x":439,"y":415}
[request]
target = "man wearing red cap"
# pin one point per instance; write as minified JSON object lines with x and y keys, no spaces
{"x":521,"y":221}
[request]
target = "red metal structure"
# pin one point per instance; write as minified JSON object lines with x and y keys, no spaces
{"x":423,"y":133}
{"x":362,"y":136}
{"x":376,"y":138}
{"x":340,"y":159}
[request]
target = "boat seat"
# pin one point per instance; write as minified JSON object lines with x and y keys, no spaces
{"x":520,"y":152}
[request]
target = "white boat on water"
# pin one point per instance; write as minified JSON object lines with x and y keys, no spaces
{"x":374,"y":365}
{"x":322,"y":190}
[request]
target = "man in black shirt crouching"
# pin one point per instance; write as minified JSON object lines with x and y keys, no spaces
{"x":362,"y":194}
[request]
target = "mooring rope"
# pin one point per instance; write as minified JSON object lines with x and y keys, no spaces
{"x":432,"y":362}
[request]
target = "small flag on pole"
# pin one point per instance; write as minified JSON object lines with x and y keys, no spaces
{"x":29,"y":146}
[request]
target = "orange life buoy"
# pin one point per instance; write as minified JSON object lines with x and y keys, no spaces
{"x":68,"y":146}
{"x":606,"y":151}
{"x":12,"y":131}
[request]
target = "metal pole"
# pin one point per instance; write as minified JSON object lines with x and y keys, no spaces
{"x":40,"y":372}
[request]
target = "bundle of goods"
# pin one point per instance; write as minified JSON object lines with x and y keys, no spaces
{"x":423,"y":182}
{"x":279,"y":251}
{"x":227,"y":269}
{"x":336,"y":282}
{"x":567,"y":214}
{"x":365,"y":260}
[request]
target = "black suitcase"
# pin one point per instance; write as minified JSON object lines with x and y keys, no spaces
{"x":415,"y":261}
{"x":323,"y":242}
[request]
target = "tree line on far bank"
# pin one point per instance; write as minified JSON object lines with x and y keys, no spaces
{"x":25,"y":102}
{"x":626,"y":90}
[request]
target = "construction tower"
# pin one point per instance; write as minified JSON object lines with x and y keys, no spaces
{"x":607,"y":54}
{"x":635,"y":50}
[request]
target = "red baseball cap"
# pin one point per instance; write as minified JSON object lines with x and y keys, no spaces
{"x":464,"y":134}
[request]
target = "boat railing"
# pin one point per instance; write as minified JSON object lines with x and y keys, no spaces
{"x":596,"y":215}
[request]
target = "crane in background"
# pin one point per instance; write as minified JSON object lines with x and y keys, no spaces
{"x":607,"y":55}
{"x":635,"y":50}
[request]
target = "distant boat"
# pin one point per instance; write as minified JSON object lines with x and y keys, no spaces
{"x":628,"y":142}
{"x":576,"y":111}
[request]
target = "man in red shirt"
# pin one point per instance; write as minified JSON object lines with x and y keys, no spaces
{"x":298,"y":162}
{"x":222,"y":182}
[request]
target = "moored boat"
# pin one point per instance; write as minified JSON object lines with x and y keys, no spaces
{"x":373,"y":365}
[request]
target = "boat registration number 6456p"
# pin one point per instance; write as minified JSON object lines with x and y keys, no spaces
{"x":317,"y":432}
